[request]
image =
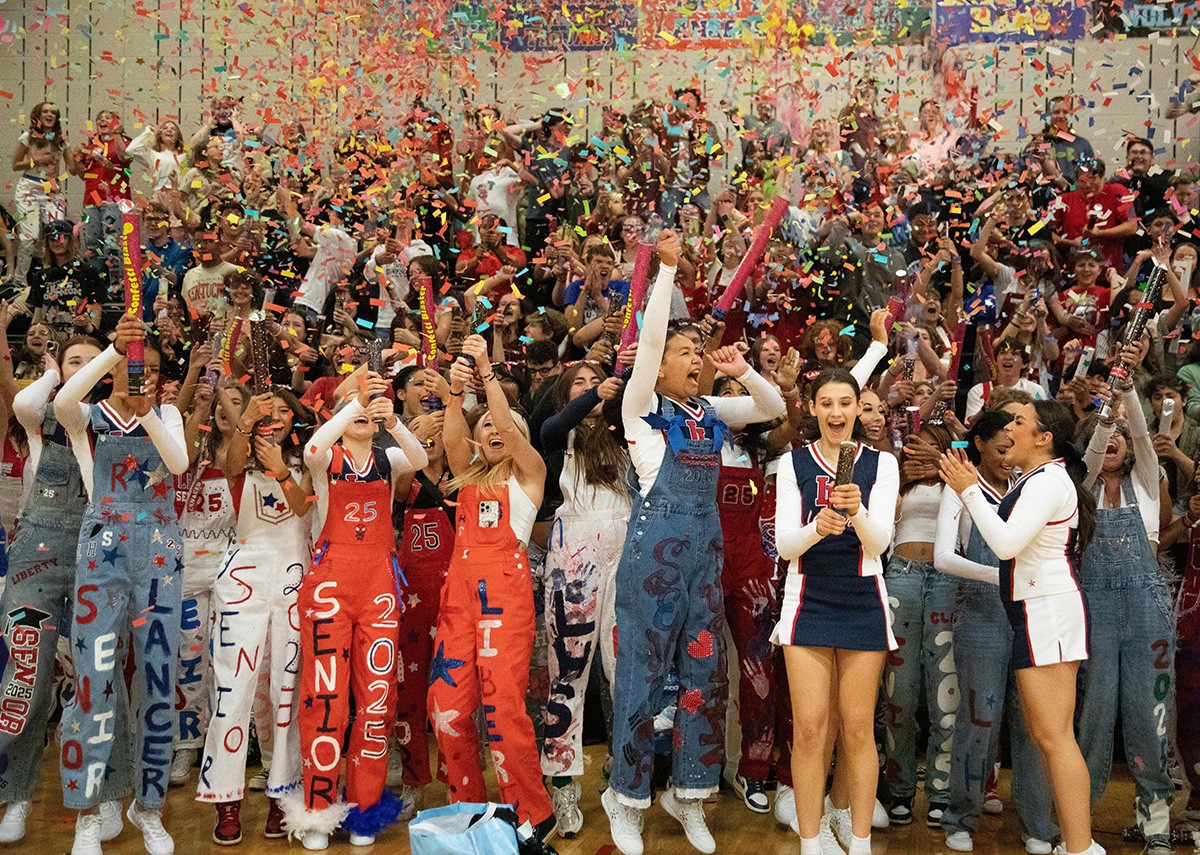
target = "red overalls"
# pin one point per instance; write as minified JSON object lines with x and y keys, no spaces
{"x":426,"y":545}
{"x":349,"y":630}
{"x":751,"y":612}
{"x":482,"y":650}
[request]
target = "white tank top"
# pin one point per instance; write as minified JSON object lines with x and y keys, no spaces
{"x":522,"y":510}
{"x":918,"y":514}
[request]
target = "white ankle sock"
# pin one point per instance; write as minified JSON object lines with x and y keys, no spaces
{"x":1091,"y":845}
{"x":810,"y":846}
{"x":860,"y":845}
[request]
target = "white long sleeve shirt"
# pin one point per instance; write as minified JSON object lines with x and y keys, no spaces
{"x":954,"y":533}
{"x":1034,"y":543}
{"x":647,"y":444}
{"x":164,"y":428}
{"x":29,"y":406}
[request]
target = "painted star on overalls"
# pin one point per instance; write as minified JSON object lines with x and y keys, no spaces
{"x":440,"y":667}
{"x":108,"y":690}
{"x":269,"y":501}
{"x":75,"y":727}
{"x":122,"y":537}
{"x":346,"y":653}
{"x":72,"y":784}
{"x":110,"y":556}
{"x":160,"y":560}
{"x":79,"y":645}
{"x":156,"y":537}
{"x":443,"y":721}
{"x":167,"y":580}
{"x":160,"y":490}
{"x":308,"y":702}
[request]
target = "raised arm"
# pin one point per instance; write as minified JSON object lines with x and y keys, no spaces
{"x":69,"y":408}
{"x":29,"y":404}
{"x":652,"y":339}
{"x":456,"y":434}
{"x":764,"y":403}
{"x":557,"y":429}
{"x":409,"y":455}
{"x":165,"y":429}
{"x":318,"y":454}
{"x":531,"y":468}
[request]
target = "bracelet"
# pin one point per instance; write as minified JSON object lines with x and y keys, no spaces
{"x":238,"y":428}
{"x":794,"y":392}
{"x":489,"y":378}
{"x":1191,"y":524}
{"x":458,"y":394}
{"x":284,"y":479}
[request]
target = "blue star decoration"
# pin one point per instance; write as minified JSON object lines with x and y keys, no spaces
{"x":139,"y":474}
{"x":269,"y":501}
{"x":440,"y":667}
{"x":674,"y":428}
{"x":110,"y":556}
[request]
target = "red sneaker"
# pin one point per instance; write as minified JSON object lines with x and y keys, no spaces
{"x":229,"y":824}
{"x":274,"y":827}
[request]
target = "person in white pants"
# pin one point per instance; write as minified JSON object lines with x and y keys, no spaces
{"x":254,"y":603}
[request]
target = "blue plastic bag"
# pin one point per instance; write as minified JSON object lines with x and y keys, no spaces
{"x":464,"y":829}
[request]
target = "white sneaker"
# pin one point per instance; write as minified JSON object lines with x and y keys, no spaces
{"x":785,"y":807}
{"x":181,"y":766}
{"x":12,"y":828}
{"x":960,"y":841}
{"x":565,"y":801}
{"x":1094,"y":849}
{"x":315,"y":840}
{"x":829,"y":840}
{"x":879,"y":817}
{"x":87,"y":835}
{"x":362,"y":840}
{"x":411,"y":796}
{"x":690,"y":814}
{"x":110,"y":820}
{"x":624,"y":825}
{"x":1034,"y":846}
{"x":395,"y":772}
{"x":157,"y":841}
{"x":259,"y":781}
{"x":839,"y":821}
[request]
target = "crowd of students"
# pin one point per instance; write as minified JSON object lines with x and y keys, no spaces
{"x":430,"y":416}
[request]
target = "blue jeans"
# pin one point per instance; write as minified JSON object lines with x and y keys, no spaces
{"x":922,"y":601}
{"x":1130,"y":664}
{"x":982,"y":648}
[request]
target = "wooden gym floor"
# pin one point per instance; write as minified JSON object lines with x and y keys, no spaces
{"x":50,"y":828}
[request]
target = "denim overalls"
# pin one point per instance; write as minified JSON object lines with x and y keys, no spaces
{"x":128,"y":587}
{"x":983,"y":639}
{"x":35,"y":610}
{"x":670,"y":610}
{"x":1130,"y":665}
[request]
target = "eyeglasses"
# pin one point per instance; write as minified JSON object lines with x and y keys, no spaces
{"x":543,"y":371}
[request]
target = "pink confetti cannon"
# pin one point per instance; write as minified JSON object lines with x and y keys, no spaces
{"x":637,"y":284}
{"x":131,"y":265}
{"x":757,"y":247}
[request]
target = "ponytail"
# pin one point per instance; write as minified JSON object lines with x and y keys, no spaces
{"x":1054,"y":418}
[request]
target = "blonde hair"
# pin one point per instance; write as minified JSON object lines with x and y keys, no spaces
{"x":488,"y":477}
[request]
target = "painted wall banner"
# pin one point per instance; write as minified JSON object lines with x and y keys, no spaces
{"x":1142,"y":18}
{"x":958,"y":21}
{"x":546,"y":25}
{"x":709,"y":24}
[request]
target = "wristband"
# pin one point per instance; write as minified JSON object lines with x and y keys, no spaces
{"x":284,"y":479}
{"x":458,"y":394}
{"x":489,"y":378}
{"x":238,"y":428}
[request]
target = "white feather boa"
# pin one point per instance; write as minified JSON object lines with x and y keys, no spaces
{"x":298,"y":820}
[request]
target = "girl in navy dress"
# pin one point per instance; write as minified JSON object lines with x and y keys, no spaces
{"x":834,"y":624}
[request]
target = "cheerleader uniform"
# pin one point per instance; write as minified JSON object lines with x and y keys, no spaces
{"x":670,"y":609}
{"x":128,"y":576}
{"x":349,"y":605}
{"x":748,"y":587}
{"x":255,"y":623}
{"x":206,"y":521}
{"x":986,"y":690}
{"x":835,"y":595}
{"x":581,"y":565}
{"x":1033,"y":534}
{"x":426,"y":547}
{"x":38,"y":598}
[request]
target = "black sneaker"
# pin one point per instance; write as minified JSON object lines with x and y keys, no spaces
{"x":900,"y":812}
{"x":545,"y":829}
{"x":934,"y":818}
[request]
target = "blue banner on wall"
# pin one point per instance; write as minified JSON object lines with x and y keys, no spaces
{"x":957,"y":21}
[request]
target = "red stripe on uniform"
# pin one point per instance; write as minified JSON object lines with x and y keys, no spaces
{"x":799,"y":605}
{"x":1028,"y":635}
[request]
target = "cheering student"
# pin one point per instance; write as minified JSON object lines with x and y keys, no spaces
{"x":485,"y":628}
{"x":128,"y":581}
{"x":834,"y":624}
{"x":670,"y":610}
{"x":1038,"y":532}
{"x":349,"y":607}
{"x":39,"y":593}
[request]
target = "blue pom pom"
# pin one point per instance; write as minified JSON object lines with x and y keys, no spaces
{"x":369,"y":822}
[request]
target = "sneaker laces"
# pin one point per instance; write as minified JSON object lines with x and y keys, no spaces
{"x":150,"y":822}
{"x":691,"y":813}
{"x":565,"y":798}
{"x":87,"y":827}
